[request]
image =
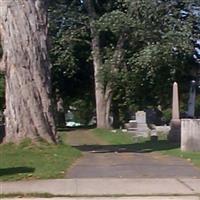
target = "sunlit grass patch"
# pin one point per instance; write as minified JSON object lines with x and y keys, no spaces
{"x":28,"y":161}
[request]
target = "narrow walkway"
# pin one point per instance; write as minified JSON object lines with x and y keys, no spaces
{"x":99,"y":161}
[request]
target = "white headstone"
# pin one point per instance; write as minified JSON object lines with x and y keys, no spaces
{"x":140,"y":117}
{"x":190,"y":135}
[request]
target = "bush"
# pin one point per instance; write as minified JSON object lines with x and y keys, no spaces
{"x":167,"y":115}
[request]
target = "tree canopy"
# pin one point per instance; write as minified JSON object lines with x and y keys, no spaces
{"x":142,"y":43}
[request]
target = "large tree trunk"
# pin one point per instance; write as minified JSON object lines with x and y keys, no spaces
{"x":103,"y":104}
{"x":103,"y":95}
{"x":23,"y":30}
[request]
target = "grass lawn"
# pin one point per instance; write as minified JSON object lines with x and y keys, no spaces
{"x":44,"y":161}
{"x":193,"y":157}
{"x":117,"y":138}
{"x":27,"y":161}
{"x":145,"y":145}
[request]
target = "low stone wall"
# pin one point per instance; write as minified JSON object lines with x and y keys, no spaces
{"x":190,"y":134}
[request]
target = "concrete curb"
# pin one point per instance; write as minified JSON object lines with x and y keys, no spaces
{"x":116,"y":198}
{"x":105,"y":187}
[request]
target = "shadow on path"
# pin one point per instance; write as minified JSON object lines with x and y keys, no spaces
{"x":144,"y":147}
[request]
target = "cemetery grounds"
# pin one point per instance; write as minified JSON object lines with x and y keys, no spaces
{"x":44,"y":161}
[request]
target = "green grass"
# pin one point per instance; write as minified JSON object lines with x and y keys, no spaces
{"x":139,"y":144}
{"x":27,"y":161}
{"x":113,"y":138}
{"x":193,"y":157}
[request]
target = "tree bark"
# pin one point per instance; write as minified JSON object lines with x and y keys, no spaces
{"x":103,"y":95}
{"x":23,"y":30}
{"x":103,"y":105}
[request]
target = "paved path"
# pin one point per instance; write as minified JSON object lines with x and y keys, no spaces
{"x":131,"y":165}
{"x":104,"y":161}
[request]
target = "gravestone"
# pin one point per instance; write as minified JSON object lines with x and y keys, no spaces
{"x":140,"y":117}
{"x":175,"y":124}
{"x":191,"y":101}
{"x":190,"y":135}
{"x":141,"y":121}
{"x":138,"y":127}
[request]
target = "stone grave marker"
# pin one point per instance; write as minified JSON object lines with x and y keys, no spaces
{"x":175,"y":132}
{"x":140,"y":117}
{"x":190,"y":135}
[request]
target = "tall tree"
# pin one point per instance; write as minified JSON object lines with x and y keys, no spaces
{"x":131,"y":43}
{"x":25,"y":62}
{"x":72,"y":71}
{"x":123,"y":28}
{"x":103,"y":88}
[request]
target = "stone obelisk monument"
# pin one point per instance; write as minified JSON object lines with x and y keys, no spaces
{"x":175,"y":131}
{"x":191,"y":102}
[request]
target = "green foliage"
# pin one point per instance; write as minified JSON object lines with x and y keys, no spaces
{"x":155,"y":64}
{"x":69,"y":50}
{"x":159,"y":52}
{"x":153,"y":40}
{"x":66,"y":34}
{"x":114,"y":22}
{"x":158,"y":49}
{"x":84,"y":110}
{"x":167,"y":115}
